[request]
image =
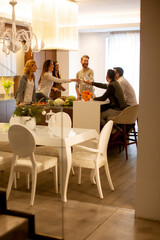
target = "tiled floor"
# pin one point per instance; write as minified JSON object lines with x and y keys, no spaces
{"x":85,"y":220}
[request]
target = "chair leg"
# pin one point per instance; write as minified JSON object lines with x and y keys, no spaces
{"x":135,"y":136}
{"x":98,"y":181}
{"x":28,"y":180}
{"x":73,"y":172}
{"x":10,"y":182}
{"x":92,"y":177}
{"x":34,"y":182}
{"x":15,"y":180}
{"x":106,"y":167}
{"x":79,"y":175}
{"x":56,"y":178}
{"x":125,"y":141}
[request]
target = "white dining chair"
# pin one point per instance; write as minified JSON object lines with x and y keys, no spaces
{"x":58,"y":121}
{"x":93,"y":158}
{"x":22,"y":143}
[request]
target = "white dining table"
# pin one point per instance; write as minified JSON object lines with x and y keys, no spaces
{"x":43,"y":136}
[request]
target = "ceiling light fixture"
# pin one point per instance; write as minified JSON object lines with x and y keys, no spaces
{"x":12,"y":39}
{"x":56,"y":21}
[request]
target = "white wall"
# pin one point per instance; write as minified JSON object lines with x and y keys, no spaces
{"x":92,"y":44}
{"x":10,"y":65}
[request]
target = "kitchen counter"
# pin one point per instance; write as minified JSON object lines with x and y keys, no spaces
{"x":10,"y":99}
{"x":68,"y":110}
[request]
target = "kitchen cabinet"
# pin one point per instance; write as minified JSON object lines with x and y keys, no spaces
{"x":7,"y":108}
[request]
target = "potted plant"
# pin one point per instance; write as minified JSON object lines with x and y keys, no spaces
{"x":28,"y":115}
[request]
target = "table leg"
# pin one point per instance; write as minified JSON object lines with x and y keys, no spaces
{"x":65,"y":168}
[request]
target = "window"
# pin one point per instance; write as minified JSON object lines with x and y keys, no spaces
{"x":123,"y":50}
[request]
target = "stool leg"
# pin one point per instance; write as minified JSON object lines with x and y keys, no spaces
{"x":135,"y":136}
{"x":125,"y":141}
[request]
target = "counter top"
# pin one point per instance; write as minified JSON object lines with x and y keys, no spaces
{"x":10,"y":99}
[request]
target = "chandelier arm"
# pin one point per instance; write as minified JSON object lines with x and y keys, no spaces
{"x":7,"y":34}
{"x":23,"y":35}
{"x":15,"y":37}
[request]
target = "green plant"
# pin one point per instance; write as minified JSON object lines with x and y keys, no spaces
{"x":30,"y":110}
{"x":69,"y":101}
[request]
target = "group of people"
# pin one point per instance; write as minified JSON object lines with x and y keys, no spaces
{"x":26,"y":93}
{"x":118,"y":90}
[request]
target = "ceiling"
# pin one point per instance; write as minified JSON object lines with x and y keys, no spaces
{"x":94,"y":15}
{"x":108,"y":14}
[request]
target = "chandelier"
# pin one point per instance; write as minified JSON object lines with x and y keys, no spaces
{"x":12,"y":39}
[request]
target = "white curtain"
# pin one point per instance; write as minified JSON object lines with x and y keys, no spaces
{"x":123,"y":50}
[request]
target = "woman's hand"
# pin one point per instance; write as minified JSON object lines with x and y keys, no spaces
{"x":75,"y":80}
{"x":63,"y":89}
{"x":55,"y":89}
{"x":20,"y":104}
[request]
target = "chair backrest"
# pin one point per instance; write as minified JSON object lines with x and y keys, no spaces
{"x":104,"y":136}
{"x":21,"y":140}
{"x":128,"y":116}
{"x":63,"y":120}
{"x":60,"y":123}
{"x":60,"y":119}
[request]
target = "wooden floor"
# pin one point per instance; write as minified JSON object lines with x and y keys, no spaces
{"x":123,"y":175}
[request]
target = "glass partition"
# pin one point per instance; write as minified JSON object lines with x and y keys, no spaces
{"x":70,"y":213}
{"x":48,"y":204}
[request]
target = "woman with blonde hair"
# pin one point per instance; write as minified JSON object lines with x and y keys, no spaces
{"x":46,"y":81}
{"x":25,"y":93}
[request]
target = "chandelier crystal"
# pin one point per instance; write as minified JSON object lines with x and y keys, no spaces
{"x":12,"y":39}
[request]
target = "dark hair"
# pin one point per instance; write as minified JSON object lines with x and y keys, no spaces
{"x":84,"y":56}
{"x":111,"y":74}
{"x":53,"y":72}
{"x":119,"y":70}
{"x":46,"y":65}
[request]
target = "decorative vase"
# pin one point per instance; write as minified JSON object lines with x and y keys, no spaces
{"x":27,"y":121}
{"x":7,"y":93}
{"x":14,"y":119}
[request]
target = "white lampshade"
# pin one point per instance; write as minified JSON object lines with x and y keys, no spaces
{"x":56,"y":22}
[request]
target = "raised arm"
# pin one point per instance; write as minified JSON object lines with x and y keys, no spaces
{"x":48,"y":76}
